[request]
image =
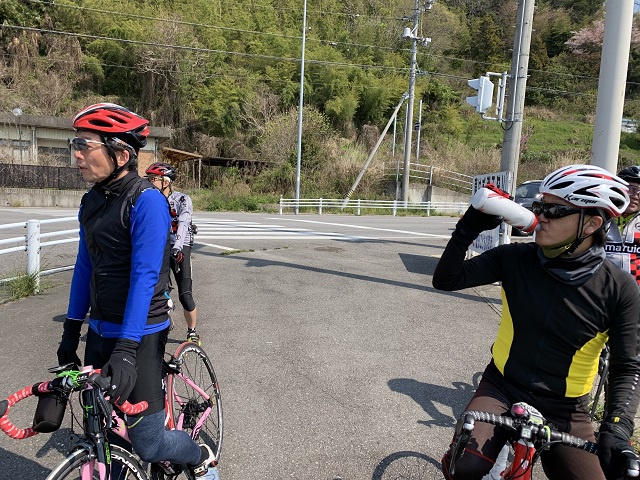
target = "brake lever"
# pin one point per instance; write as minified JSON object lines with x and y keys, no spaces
{"x":633,"y":466}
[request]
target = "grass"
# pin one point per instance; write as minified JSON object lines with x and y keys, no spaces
{"x":233,"y":199}
{"x":234,"y":252}
{"x":550,"y":139}
{"x":21,"y":286}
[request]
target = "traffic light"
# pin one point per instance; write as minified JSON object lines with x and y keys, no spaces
{"x":483,"y":100}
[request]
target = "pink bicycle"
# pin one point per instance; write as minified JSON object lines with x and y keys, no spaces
{"x":192,"y":400}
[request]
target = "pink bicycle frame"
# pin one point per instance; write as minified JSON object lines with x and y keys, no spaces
{"x":120,"y":429}
{"x":177,"y":424}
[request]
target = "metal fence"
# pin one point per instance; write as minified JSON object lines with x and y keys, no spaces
{"x":435,"y":176}
{"x":32,"y":243}
{"x":40,"y":176}
{"x":322,"y":204}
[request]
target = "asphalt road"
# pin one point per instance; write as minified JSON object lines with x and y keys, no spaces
{"x":335,"y":356}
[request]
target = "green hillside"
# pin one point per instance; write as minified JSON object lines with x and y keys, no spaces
{"x":225,"y":77}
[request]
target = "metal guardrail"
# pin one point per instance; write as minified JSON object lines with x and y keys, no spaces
{"x":435,"y":176}
{"x":324,"y":203}
{"x":32,"y":243}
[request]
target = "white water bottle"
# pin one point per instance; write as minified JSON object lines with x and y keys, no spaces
{"x":500,"y":466}
{"x":493,"y":201}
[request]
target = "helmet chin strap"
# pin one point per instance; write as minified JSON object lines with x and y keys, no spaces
{"x":168,"y":186}
{"x":117,"y":169}
{"x":572,"y":243}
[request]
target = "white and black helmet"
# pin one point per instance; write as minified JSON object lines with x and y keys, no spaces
{"x":588,"y":186}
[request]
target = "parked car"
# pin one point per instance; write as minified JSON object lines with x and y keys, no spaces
{"x":526,"y":193}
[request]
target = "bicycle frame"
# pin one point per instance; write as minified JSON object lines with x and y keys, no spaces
{"x":520,"y":467}
{"x":171,"y":422}
{"x":181,"y":402}
{"x":188,"y":407}
{"x":99,"y":416}
{"x":92,"y":401}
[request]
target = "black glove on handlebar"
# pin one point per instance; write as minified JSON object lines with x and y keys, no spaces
{"x":614,"y":452}
{"x":67,"y":351}
{"x":121,"y":367}
{"x":474,"y":222}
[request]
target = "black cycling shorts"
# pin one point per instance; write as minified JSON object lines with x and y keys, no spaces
{"x":149,"y":357}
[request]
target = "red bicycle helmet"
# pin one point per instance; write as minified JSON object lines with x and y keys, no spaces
{"x":116,"y":122}
{"x":161,"y":170}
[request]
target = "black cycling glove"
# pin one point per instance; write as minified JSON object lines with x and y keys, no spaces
{"x":475,"y":221}
{"x":121,"y":367}
{"x":614,"y":451}
{"x":67,"y":351}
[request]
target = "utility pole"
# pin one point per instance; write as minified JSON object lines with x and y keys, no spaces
{"x":300,"y":104}
{"x":412,"y":86}
{"x":419,"y":129}
{"x":517,"y":88}
{"x":612,"y":83}
{"x":411,"y":34}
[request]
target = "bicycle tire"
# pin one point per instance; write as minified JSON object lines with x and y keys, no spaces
{"x":69,"y":469}
{"x":187,"y":404}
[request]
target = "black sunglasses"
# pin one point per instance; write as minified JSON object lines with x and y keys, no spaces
{"x":553,"y":210}
{"x":82,"y":143}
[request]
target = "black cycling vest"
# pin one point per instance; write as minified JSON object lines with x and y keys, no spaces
{"x":105,"y":212}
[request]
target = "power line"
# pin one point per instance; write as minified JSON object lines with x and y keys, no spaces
{"x":328,"y":42}
{"x":315,"y":62}
{"x":205,"y":50}
{"x":215,"y":27}
{"x":325,"y":12}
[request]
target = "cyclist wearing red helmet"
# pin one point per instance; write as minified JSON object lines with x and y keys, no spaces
{"x":121,"y":280}
{"x":562,"y":301}
{"x":162,"y":175}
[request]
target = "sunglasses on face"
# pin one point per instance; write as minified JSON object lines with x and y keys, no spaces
{"x":634,"y":190}
{"x":80,"y":144}
{"x":553,"y":210}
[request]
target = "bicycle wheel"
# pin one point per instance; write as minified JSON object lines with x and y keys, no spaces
{"x":195,"y":404}
{"x":124,"y":466}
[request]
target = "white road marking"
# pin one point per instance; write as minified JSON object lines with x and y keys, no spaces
{"x":420,"y":234}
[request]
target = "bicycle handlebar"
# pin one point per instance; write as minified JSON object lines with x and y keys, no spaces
{"x":67,"y":386}
{"x":526,"y":430}
{"x":534,"y":432}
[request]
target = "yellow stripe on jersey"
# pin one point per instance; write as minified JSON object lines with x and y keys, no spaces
{"x":502,"y":345}
{"x":584,"y":366}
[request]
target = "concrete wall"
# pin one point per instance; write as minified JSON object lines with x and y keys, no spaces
{"x":26,"y":197}
{"x":419,"y":192}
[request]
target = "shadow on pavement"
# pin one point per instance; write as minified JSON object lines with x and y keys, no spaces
{"x":427,"y":395}
{"x":19,"y":467}
{"x":407,"y":465}
{"x":261,"y":263}
{"x":419,"y":264}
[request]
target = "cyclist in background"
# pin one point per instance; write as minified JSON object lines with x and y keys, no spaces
{"x":121,"y":278}
{"x":623,"y":239}
{"x":162,"y":175}
{"x":562,"y":300}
